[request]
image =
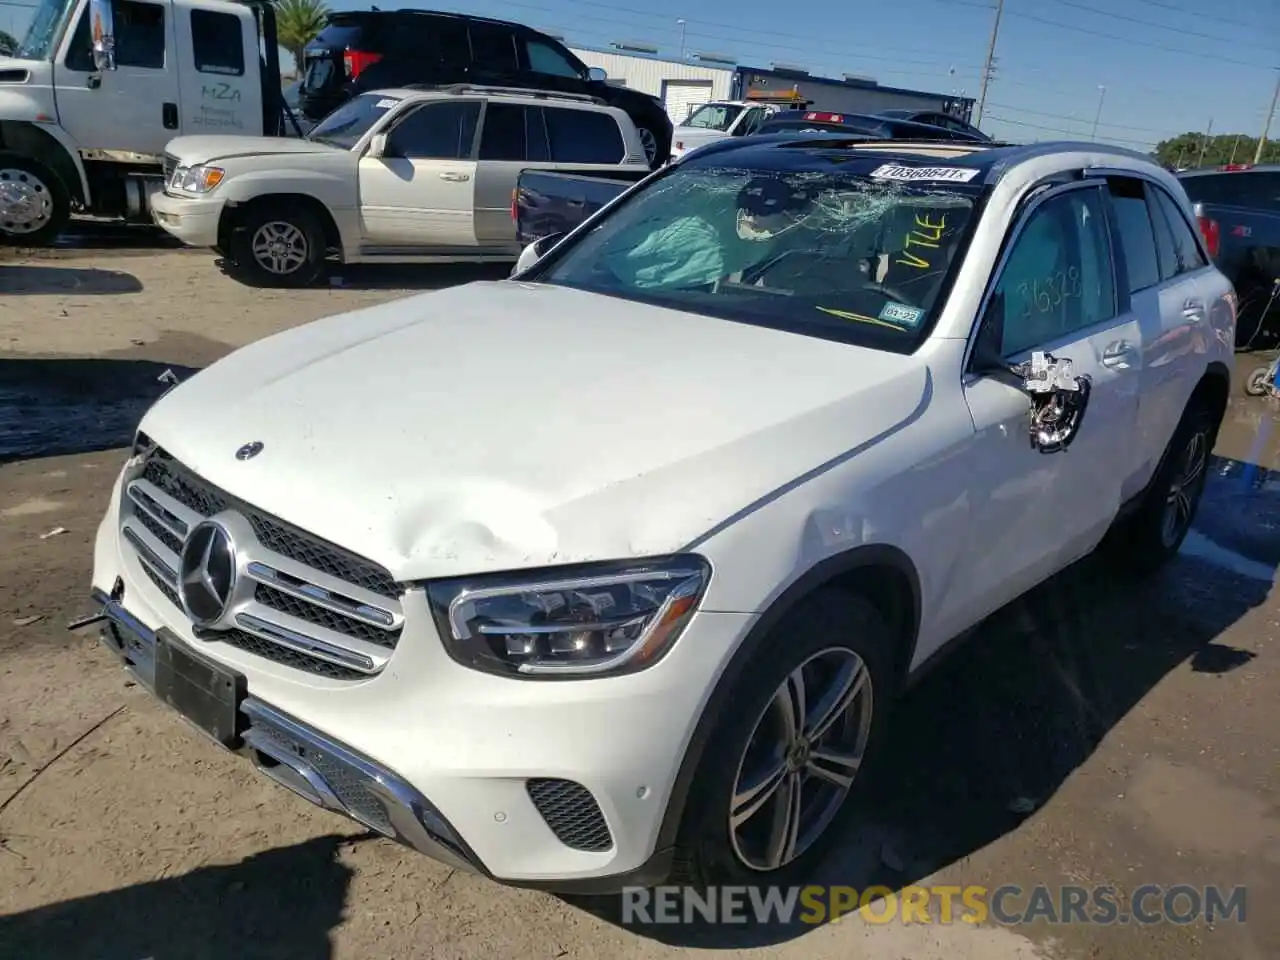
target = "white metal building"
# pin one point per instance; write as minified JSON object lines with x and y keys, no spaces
{"x":682,"y":86}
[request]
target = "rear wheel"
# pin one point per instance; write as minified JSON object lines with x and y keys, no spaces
{"x":779,"y":772}
{"x":1151,"y":536}
{"x":281,"y":245}
{"x":649,"y":140}
{"x":35,"y":205}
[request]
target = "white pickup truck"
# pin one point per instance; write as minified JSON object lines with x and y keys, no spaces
{"x":424,"y":175}
{"x":618,"y":566}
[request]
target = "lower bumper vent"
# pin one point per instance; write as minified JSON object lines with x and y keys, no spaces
{"x":571,"y":812}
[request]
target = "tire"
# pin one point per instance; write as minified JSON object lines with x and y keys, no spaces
{"x":1146,"y":540}
{"x":298,"y":252}
{"x":828,"y":634}
{"x":35,"y":205}
{"x":652,"y":145}
{"x":1256,"y":383}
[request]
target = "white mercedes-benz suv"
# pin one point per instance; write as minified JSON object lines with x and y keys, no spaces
{"x":616,"y":567}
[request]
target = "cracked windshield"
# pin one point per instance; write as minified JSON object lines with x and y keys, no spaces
{"x":829,"y":255}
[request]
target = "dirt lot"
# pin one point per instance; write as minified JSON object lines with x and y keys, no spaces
{"x":1099,"y":734}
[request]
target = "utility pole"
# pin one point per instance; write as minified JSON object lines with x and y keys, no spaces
{"x":1102,"y":95}
{"x":1234,"y":144}
{"x":683,"y":26}
{"x":1204,"y":143}
{"x":989,"y":67}
{"x":1266,"y":127}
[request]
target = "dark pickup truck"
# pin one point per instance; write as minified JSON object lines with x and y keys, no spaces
{"x":1238,"y":210}
{"x":547,"y":203}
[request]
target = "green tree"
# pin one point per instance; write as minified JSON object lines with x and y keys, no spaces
{"x":8,"y":43}
{"x":1195,"y":150}
{"x":297,"y":24}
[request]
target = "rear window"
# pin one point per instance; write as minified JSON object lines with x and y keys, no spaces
{"x":824,"y":254}
{"x":339,"y":36}
{"x":1260,"y":190}
{"x":352,"y":120}
{"x":583,"y":136}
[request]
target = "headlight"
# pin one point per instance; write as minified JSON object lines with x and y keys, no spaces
{"x":592,"y":620}
{"x":199,"y":179}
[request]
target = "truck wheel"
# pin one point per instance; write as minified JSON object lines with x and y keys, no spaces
{"x":780,"y":771}
{"x":35,"y":204}
{"x":1147,"y":539}
{"x":278,"y":246}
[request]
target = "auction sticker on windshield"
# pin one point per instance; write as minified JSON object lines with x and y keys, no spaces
{"x":891,"y":171}
{"x":385,"y":103}
{"x":901,"y":313}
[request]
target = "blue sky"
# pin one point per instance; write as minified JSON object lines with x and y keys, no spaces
{"x":1168,"y":65}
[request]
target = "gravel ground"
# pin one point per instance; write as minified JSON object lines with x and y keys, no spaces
{"x":1095,"y":735}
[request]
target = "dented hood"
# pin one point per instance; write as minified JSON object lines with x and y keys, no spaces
{"x":504,"y":425}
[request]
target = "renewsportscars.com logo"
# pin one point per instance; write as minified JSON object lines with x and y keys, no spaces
{"x":1008,"y":905}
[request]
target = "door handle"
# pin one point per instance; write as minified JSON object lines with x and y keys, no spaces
{"x":169,"y":114}
{"x":1117,"y":354}
{"x":1193,"y":310}
{"x":456,"y":177}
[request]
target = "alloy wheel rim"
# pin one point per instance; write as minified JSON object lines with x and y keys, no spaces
{"x":279,"y":247}
{"x":650,"y":144}
{"x":26,"y":205}
{"x":801,"y":759}
{"x":1184,"y":489}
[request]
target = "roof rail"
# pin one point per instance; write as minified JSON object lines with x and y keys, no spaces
{"x":513,"y":91}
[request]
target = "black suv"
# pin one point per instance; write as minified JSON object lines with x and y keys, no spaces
{"x":358,"y":52}
{"x":936,"y":118}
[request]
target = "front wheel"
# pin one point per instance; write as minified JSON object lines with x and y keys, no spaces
{"x":281,"y":245}
{"x":35,"y":205}
{"x":778,"y":773}
{"x":1257,"y":384}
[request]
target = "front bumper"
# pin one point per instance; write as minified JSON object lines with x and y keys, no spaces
{"x":447,"y":760}
{"x":193,"y":220}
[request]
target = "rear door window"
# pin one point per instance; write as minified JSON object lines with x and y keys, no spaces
{"x":583,"y":136}
{"x":217,"y":43}
{"x":513,"y":132}
{"x":1186,"y":249}
{"x":437,"y":131}
{"x":493,"y":48}
{"x":1137,"y":235}
{"x":544,"y":58}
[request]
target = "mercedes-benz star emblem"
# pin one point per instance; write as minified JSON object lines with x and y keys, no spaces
{"x":249,"y":450}
{"x":207,"y":578}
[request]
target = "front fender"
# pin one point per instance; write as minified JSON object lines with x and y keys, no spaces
{"x":27,"y":130}
{"x":335,"y":192}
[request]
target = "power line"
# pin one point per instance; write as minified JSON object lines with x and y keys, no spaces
{"x":1141,"y":43}
{"x":1161,"y":26}
{"x":1216,"y":17}
{"x":1064,"y":116}
{"x":1062,"y":130}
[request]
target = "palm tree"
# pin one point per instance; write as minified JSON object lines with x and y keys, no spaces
{"x":297,"y":24}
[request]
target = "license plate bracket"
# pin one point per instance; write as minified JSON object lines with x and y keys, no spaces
{"x":203,"y":691}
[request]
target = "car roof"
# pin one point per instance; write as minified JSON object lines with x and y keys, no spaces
{"x":491,"y":93}
{"x":990,"y":160}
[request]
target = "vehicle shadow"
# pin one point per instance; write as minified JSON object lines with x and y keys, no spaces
{"x":276,"y":905}
{"x":24,"y":280}
{"x":422,"y":276}
{"x":54,"y":407}
{"x":992,"y":733}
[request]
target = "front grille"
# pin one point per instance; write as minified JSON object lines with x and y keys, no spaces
{"x":571,"y":812}
{"x":307,"y":603}
{"x":170,"y":165}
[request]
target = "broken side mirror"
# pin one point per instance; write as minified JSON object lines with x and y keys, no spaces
{"x":535,"y":251}
{"x":378,"y":146}
{"x":102,"y":32}
{"x":1059,"y":396}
